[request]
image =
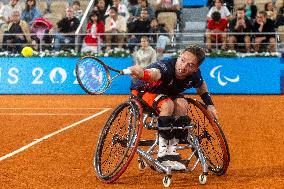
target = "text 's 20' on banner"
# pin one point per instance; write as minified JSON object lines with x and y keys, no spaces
{"x":52,"y":76}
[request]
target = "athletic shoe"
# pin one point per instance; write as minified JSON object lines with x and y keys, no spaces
{"x":163,"y":147}
{"x":172,"y":161}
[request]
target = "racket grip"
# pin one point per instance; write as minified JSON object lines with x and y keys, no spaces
{"x":126,"y":71}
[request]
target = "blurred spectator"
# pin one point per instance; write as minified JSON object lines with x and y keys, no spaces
{"x":67,"y":27}
{"x":100,"y":7}
{"x":143,"y":4}
{"x":161,"y":36}
{"x":48,"y":5}
{"x":215,"y":27}
{"x":78,"y":12}
{"x":107,"y":2}
{"x":6,"y":13}
{"x":219,"y":7}
{"x":40,"y":33}
{"x":70,"y":3}
{"x":279,"y":24}
{"x":167,"y":12}
{"x":270,"y":11}
{"x":17,"y":35}
{"x":250,"y":9}
{"x":115,"y":24}
{"x":145,"y":55}
{"x":132,"y":7}
{"x":141,"y":25}
{"x":31,"y":12}
{"x":280,"y":17}
{"x":264,"y":25}
{"x":121,"y":9}
{"x":228,"y":3}
{"x":93,"y":39}
{"x":240,"y":24}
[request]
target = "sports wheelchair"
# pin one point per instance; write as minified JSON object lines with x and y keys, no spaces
{"x":121,"y":135}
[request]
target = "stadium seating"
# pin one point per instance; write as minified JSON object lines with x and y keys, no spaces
{"x":194,"y":3}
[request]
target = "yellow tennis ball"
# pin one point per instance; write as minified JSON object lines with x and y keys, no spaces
{"x":27,"y":51}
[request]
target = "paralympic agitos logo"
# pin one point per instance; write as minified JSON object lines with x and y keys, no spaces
{"x":221,"y":77}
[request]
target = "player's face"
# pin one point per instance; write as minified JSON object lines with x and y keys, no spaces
{"x":186,"y":65}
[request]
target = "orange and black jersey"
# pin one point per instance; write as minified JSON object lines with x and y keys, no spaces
{"x":168,"y":84}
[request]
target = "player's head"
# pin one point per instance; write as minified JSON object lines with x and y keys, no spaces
{"x":189,"y":61}
{"x":197,"y":51}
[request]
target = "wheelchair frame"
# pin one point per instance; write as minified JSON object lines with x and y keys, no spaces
{"x":120,"y":140}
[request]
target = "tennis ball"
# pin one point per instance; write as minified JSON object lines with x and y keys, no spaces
{"x":27,"y":51}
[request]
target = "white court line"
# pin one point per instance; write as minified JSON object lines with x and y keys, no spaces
{"x":41,"y":114}
{"x":50,"y":135}
{"x":50,"y":108}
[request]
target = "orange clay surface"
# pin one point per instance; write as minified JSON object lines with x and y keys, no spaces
{"x":36,"y":152}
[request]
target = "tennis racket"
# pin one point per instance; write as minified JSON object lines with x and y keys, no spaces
{"x":94,"y":76}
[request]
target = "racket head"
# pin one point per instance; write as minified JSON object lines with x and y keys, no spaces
{"x":93,"y":75}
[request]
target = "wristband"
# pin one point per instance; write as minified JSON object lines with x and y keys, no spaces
{"x":206,"y":97}
{"x":146,"y":75}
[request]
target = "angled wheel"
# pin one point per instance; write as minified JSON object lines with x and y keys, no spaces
{"x":211,"y":137}
{"x":167,"y":181}
{"x":118,"y":141}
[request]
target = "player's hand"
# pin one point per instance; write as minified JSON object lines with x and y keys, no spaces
{"x":137,"y":71}
{"x":212,"y":110}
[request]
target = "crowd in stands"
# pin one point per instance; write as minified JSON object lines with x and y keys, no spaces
{"x":151,"y":26}
{"x":245,"y":28}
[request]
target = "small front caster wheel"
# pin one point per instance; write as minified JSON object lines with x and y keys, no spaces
{"x":141,"y":165}
{"x":167,"y":181}
{"x":202,"y":179}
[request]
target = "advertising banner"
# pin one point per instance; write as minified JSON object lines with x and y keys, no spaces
{"x":52,"y":76}
{"x":282,"y":75}
{"x":57,"y":76}
{"x":242,"y":75}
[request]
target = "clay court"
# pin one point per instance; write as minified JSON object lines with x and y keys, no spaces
{"x":49,"y":141}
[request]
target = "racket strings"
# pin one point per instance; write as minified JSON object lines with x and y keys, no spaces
{"x":93,"y":75}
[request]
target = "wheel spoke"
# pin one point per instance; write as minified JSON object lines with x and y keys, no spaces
{"x":211,"y":138}
{"x":117,"y":142}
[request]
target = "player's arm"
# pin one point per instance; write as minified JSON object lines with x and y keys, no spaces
{"x":152,"y":74}
{"x":206,"y":97}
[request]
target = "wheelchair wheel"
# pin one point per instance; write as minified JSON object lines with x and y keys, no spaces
{"x":118,"y":141}
{"x":211,"y":137}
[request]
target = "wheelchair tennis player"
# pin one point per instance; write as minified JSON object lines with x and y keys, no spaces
{"x":161,"y":85}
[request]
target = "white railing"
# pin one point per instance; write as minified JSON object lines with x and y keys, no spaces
{"x":178,"y":40}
